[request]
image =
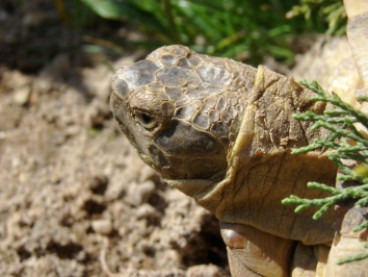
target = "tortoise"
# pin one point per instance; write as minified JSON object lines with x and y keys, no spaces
{"x":222,"y":132}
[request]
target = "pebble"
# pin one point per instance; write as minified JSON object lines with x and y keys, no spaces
{"x":146,"y":211}
{"x":140,"y":193}
{"x":98,"y":184}
{"x":22,"y":96}
{"x":102,"y":226}
{"x":208,"y":270}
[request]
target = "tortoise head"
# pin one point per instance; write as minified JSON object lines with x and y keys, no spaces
{"x":181,"y":110}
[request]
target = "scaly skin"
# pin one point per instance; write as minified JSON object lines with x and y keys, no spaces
{"x":240,"y":171}
{"x":222,"y":132}
{"x":194,"y":109}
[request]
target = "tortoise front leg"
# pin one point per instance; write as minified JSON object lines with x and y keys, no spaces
{"x":252,"y":252}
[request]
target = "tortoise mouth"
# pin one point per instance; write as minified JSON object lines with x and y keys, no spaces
{"x":196,"y":188}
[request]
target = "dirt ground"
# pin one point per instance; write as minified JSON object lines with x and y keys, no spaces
{"x":75,"y":199}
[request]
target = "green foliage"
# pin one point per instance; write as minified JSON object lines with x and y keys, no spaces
{"x":226,"y":28}
{"x":318,"y":13}
{"x":354,"y":258}
{"x":74,"y":13}
{"x":345,"y":142}
{"x":242,"y":29}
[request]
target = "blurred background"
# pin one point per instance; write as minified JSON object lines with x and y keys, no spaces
{"x":32,"y":32}
{"x":75,"y":200}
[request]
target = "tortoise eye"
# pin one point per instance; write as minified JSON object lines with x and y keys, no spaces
{"x":146,"y":120}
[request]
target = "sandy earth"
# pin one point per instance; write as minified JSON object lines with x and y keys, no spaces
{"x":75,"y":199}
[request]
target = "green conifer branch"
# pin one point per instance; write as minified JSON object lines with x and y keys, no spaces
{"x":345,"y":142}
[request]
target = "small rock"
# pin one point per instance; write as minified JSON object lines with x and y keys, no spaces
{"x":140,"y":193}
{"x":146,"y":211}
{"x":102,"y":226}
{"x":98,"y":184}
{"x":209,"y":270}
{"x":22,"y":96}
{"x":149,"y":214}
{"x":115,"y":190}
